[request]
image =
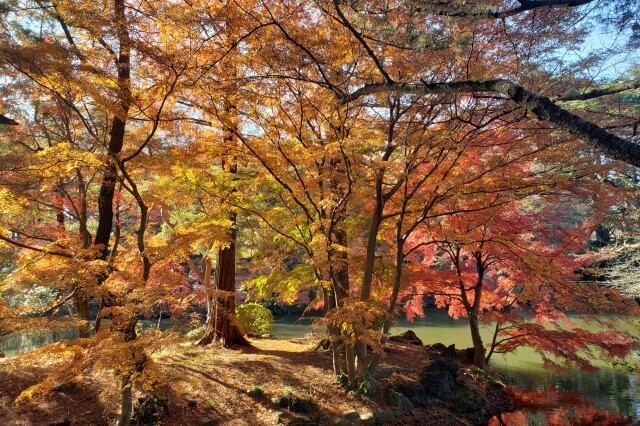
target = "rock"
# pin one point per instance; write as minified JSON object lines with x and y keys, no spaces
{"x":403,"y":403}
{"x":450,"y":352}
{"x":368,"y":419}
{"x":469,"y":401}
{"x":440,"y":379}
{"x":342,"y":422}
{"x":209,"y":422}
{"x":498,"y":399}
{"x":385,"y":417}
{"x":415,"y":392}
{"x":295,"y":404}
{"x":408,"y":337}
{"x":437,"y":347}
{"x":149,"y":410}
{"x":409,"y":389}
{"x":351,"y":415}
{"x":61,"y":422}
{"x":466,"y":355}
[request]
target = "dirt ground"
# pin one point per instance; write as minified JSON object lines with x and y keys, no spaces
{"x":208,"y":383}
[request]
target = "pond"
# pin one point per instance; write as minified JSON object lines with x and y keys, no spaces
{"x":608,"y":390}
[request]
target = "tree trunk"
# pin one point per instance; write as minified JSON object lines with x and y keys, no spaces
{"x":221,"y":307}
{"x":228,"y":332}
{"x":221,"y":325}
{"x":397,"y":279}
{"x":121,"y":320}
{"x":126,"y":407}
{"x":80,"y":298}
{"x":82,"y":306}
{"x":116,"y":135}
{"x":478,"y":345}
{"x":372,"y":237}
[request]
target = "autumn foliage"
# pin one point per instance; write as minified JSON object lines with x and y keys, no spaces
{"x":375,"y":155}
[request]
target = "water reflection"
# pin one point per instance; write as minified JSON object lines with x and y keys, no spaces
{"x":26,"y":342}
{"x":22,"y":343}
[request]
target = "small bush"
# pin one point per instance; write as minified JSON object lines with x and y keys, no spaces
{"x":254,"y":318}
{"x":256,"y":392}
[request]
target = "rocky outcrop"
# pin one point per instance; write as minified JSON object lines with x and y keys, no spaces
{"x":440,"y":379}
{"x":444,"y":385}
{"x":408,"y":337}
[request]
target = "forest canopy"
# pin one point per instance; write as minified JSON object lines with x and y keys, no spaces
{"x":360,"y":158}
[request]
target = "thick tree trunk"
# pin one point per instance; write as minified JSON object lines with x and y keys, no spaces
{"x":221,"y":325}
{"x":126,"y":407}
{"x":221,"y":305}
{"x":227,"y":330}
{"x":116,"y":135}
{"x":478,"y":345}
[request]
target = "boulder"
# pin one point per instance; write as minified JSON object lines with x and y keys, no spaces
{"x":437,"y":347}
{"x":256,"y":392}
{"x":415,"y":392}
{"x":449,"y":352}
{"x":295,"y":404}
{"x":385,"y":417}
{"x":440,"y":379}
{"x":408,"y":337}
{"x":466,"y":355}
{"x":368,"y":419}
{"x":403,"y":403}
{"x":351,"y":415}
{"x":442,"y":350}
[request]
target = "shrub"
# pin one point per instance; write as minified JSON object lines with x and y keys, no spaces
{"x":256,"y":392}
{"x":253,"y":318}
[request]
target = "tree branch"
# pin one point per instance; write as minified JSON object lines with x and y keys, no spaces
{"x":542,"y":107}
{"x":476,"y":10}
{"x":7,"y":121}
{"x":38,"y":249}
{"x":54,"y":307}
{"x":598,"y":93}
